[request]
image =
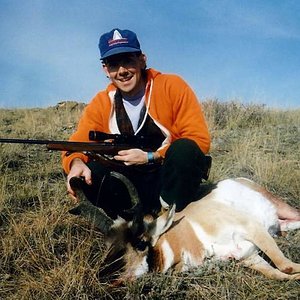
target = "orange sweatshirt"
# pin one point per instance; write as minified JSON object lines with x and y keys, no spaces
{"x":170,"y":102}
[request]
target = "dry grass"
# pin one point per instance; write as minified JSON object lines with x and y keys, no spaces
{"x":48,"y":254}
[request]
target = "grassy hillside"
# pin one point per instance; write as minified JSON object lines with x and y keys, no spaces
{"x":48,"y":254}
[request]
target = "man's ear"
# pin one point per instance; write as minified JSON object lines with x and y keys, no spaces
{"x":143,"y":60}
{"x":105,"y":70}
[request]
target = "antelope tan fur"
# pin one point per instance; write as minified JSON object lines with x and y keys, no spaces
{"x":234,"y":221}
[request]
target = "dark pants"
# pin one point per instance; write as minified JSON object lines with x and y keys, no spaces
{"x":177,"y":180}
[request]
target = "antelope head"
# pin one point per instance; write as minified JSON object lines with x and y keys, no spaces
{"x":129,"y":242}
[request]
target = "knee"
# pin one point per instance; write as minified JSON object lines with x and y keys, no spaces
{"x":184,"y":151}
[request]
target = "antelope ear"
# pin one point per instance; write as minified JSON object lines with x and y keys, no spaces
{"x":161,"y":225}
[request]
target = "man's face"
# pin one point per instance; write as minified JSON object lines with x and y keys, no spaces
{"x":125,"y":72}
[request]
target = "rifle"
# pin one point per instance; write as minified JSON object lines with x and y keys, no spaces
{"x":102,"y":146}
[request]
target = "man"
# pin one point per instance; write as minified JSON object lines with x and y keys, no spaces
{"x":142,"y":102}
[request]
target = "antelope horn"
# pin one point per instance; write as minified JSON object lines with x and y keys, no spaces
{"x":89,"y":211}
{"x":130,"y":187}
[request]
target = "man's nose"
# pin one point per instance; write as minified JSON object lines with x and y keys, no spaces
{"x":122,"y":69}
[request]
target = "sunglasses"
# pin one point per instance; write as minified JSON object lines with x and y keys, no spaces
{"x":121,"y":60}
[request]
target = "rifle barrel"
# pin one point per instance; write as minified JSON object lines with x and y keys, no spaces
{"x":96,"y":147}
{"x":24,"y":141}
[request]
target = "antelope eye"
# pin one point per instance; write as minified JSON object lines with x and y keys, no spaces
{"x":141,"y":245}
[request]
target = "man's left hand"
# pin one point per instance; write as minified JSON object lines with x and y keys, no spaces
{"x":132,"y":157}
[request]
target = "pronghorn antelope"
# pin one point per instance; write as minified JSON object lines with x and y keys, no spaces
{"x":234,"y":220}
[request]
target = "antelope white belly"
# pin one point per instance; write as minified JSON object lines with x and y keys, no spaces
{"x":242,"y":198}
{"x":228,"y":243}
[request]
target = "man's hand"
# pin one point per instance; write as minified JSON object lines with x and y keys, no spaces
{"x":132,"y":157}
{"x":135,"y":157}
{"x":78,"y":169}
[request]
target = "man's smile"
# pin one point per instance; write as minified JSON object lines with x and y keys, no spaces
{"x":125,"y":79}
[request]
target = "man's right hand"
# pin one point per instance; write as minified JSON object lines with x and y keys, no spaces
{"x":78,"y":169}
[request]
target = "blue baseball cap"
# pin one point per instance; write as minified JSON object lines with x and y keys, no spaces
{"x":118,"y":41}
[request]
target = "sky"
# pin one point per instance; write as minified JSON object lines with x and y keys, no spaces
{"x":247,"y":51}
